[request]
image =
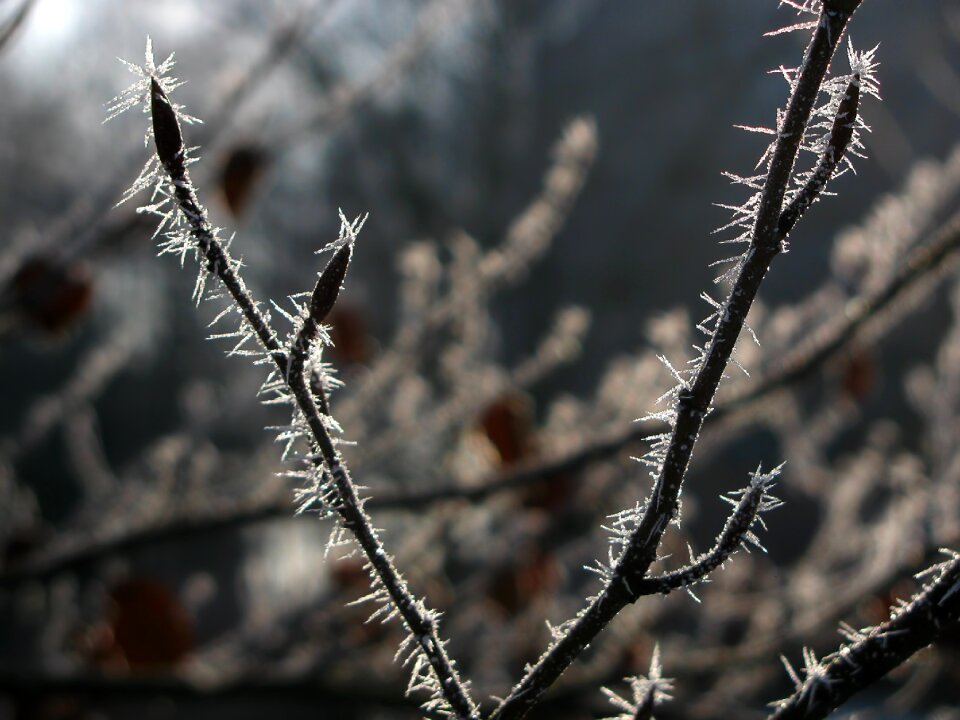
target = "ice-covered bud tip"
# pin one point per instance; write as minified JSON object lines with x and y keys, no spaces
{"x":166,"y":129}
{"x":328,"y":285}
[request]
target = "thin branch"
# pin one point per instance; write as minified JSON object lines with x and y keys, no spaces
{"x":736,"y":532}
{"x":874,"y":652}
{"x":840,"y":136}
{"x":693,"y":400}
{"x":421,"y":622}
{"x":13,"y":24}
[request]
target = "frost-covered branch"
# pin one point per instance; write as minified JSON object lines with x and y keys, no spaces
{"x":433,"y":668}
{"x":737,"y":532}
{"x":873,"y":652}
{"x":835,"y":146}
{"x":693,"y":398}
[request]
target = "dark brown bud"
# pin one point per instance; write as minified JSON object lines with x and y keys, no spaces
{"x":166,"y":130}
{"x":328,"y":285}
{"x":845,"y":119}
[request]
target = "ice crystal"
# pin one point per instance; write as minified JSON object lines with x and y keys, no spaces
{"x":138,"y":92}
{"x":645,"y":692}
{"x":816,"y":680}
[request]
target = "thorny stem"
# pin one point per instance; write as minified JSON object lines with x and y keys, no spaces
{"x":694,"y":400}
{"x":172,"y":154}
{"x":873,"y":653}
{"x":421,"y":622}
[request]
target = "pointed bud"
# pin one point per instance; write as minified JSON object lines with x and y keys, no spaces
{"x":328,"y":285}
{"x":166,"y":130}
{"x":845,"y":120}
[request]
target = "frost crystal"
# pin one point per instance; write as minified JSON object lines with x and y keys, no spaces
{"x":645,"y":692}
{"x":138,"y":93}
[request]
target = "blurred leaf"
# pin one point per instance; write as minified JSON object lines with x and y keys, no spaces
{"x":351,"y":341}
{"x":149,"y":626}
{"x":242,"y":173}
{"x":48,"y":294}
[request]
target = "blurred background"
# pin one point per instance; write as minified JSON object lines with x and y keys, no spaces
{"x":541,"y":180}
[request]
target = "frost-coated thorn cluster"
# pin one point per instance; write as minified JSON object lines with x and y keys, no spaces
{"x":138,"y":93}
{"x":815,"y":678}
{"x":832,"y":135}
{"x":645,"y":693}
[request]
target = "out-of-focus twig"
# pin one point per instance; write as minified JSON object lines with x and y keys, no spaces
{"x":9,"y":29}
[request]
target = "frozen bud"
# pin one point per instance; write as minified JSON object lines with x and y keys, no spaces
{"x":166,"y":129}
{"x":328,"y":285}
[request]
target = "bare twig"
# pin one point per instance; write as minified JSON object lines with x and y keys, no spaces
{"x":13,"y":24}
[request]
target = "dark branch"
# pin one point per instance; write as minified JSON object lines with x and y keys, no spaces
{"x":736,"y":531}
{"x":694,"y":400}
{"x":840,"y":136}
{"x":421,"y":622}
{"x":873,"y":653}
